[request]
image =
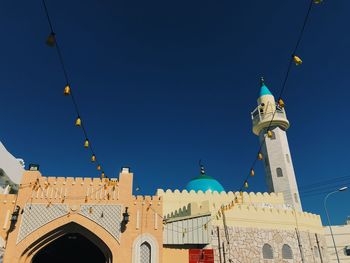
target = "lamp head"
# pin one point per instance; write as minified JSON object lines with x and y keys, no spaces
{"x":343,"y":189}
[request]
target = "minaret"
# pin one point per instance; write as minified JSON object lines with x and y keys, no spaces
{"x":278,"y":164}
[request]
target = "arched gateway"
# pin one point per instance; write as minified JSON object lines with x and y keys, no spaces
{"x":80,"y":220}
{"x":69,"y":243}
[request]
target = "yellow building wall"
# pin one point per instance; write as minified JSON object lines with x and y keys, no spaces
{"x":145,"y":213}
{"x":255,"y":210}
{"x":175,"y":255}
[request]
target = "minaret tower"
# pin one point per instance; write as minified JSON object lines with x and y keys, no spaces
{"x":278,"y":164}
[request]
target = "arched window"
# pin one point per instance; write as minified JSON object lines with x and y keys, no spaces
{"x":287,"y":252}
{"x":288,"y":158}
{"x":145,"y":253}
{"x":279,"y":172}
{"x":145,"y":249}
{"x":267,"y":252}
{"x":296,"y":198}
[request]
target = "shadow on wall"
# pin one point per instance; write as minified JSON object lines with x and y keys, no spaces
{"x":2,"y":251}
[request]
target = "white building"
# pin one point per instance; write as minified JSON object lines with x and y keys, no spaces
{"x":341,"y":235}
{"x":270,"y":123}
{"x":11,"y":171}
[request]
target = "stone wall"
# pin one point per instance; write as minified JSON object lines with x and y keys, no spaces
{"x":244,"y":245}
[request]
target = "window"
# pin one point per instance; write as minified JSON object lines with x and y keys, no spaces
{"x":145,"y":253}
{"x":287,"y":252}
{"x":145,"y":249}
{"x":279,"y":172}
{"x":288,"y":158}
{"x":296,"y":198}
{"x":347,"y":250}
{"x":267,"y":252}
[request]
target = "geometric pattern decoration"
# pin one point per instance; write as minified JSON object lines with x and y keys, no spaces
{"x":145,"y":253}
{"x":37,"y":215}
{"x":107,"y":216}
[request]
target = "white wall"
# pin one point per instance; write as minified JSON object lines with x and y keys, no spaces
{"x":342,"y":239}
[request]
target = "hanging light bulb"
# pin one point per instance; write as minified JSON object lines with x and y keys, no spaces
{"x":318,"y":1}
{"x":66,"y":91}
{"x":98,"y":167}
{"x":103,"y":175}
{"x":260,"y":156}
{"x":78,"y":121}
{"x":297,"y":60}
{"x":281,"y":103}
{"x":93,"y":158}
{"x":246,"y":184}
{"x":86,"y":143}
{"x":252,"y":173}
{"x":51,"y":40}
{"x":269,"y":134}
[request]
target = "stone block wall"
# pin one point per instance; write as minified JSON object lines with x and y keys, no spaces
{"x":244,"y":245}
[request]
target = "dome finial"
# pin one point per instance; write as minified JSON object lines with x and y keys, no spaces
{"x":263,"y":89}
{"x":201,"y":167}
{"x":262,"y":81}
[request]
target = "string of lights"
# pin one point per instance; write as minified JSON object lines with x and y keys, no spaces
{"x":52,"y":41}
{"x":294,"y":58}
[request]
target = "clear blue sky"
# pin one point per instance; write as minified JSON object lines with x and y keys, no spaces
{"x":163,"y":84}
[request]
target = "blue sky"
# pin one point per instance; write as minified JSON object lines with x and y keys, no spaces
{"x":163,"y":84}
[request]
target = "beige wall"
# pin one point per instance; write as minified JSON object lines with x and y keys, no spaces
{"x":145,"y":214}
{"x":255,"y":210}
{"x":175,"y":255}
{"x":342,"y":238}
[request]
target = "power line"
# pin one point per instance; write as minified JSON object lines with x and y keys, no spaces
{"x":322,"y":183}
{"x":290,"y":62}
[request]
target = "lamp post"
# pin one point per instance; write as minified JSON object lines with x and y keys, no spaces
{"x":329,"y":221}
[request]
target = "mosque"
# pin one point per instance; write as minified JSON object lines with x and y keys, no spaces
{"x":71,"y":219}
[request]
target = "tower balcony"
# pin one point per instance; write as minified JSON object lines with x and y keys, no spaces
{"x":263,"y":119}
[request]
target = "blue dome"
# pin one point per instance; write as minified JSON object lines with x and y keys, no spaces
{"x":204,"y":183}
{"x":264,"y":90}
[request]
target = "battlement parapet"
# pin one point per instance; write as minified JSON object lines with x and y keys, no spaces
{"x":184,"y":194}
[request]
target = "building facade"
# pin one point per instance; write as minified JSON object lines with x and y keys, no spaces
{"x":341,"y":235}
{"x":71,"y":219}
{"x":270,"y":123}
{"x":49,"y":213}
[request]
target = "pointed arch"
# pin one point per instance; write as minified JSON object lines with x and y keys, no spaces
{"x":145,"y":243}
{"x":28,"y":247}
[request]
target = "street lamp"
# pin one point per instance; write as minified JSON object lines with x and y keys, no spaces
{"x":329,"y":221}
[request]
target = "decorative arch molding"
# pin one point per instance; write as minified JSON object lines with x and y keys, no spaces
{"x":29,"y":246}
{"x":136,"y":247}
